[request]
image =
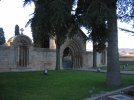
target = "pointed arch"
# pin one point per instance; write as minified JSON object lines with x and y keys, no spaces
{"x":76,"y":49}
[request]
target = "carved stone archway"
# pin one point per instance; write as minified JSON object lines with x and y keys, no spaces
{"x":21,"y":44}
{"x":75,"y":57}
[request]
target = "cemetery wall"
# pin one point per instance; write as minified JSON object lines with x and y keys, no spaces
{"x":39,"y":59}
{"x":88,"y":60}
{"x":4,"y":57}
{"x":42,"y":58}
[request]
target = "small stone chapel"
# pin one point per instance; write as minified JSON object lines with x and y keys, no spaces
{"x":19,"y":54}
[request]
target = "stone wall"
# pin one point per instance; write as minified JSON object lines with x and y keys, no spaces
{"x":20,"y":55}
{"x":88,"y":60}
{"x":4,"y":57}
{"x":42,"y":58}
{"x":39,"y":59}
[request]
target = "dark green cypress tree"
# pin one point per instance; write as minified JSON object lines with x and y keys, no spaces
{"x":17,"y":30}
{"x":2,"y":37}
{"x":51,"y":17}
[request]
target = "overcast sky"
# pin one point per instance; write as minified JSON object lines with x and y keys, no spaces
{"x":12,"y":12}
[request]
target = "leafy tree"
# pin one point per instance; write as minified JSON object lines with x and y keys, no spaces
{"x":125,"y":11}
{"x":61,"y":21}
{"x":94,"y":20}
{"x":26,"y":2}
{"x":94,"y":14}
{"x":17,"y":30}
{"x":51,"y":17}
{"x":2,"y":37}
{"x":126,"y":30}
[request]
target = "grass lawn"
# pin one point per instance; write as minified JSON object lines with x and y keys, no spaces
{"x":57,"y":85}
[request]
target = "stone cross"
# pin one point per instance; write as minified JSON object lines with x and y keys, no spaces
{"x":21,"y":31}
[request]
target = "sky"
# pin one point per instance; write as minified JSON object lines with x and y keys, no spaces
{"x":12,"y":12}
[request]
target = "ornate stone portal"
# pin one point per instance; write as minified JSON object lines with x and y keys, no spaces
{"x":20,"y":44}
{"x":73,"y":54}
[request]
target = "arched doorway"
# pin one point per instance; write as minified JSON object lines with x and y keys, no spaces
{"x":72,"y":54}
{"x":67,"y":61}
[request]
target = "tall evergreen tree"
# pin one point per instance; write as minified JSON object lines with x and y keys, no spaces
{"x":51,"y":17}
{"x":17,"y":30}
{"x":95,"y":14}
{"x":2,"y":37}
{"x":92,"y":14}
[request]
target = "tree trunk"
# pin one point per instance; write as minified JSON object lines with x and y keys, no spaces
{"x":57,"y":55}
{"x":113,"y":69}
{"x":94,"y":56}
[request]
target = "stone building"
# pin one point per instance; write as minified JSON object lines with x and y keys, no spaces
{"x":18,"y":54}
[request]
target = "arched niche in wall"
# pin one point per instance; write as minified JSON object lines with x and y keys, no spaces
{"x":21,"y":43}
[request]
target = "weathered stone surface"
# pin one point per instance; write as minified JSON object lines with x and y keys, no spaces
{"x":119,"y":94}
{"x":119,"y":97}
{"x":19,"y":55}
